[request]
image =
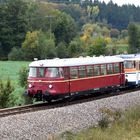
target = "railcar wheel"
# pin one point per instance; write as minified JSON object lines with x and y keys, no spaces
{"x":49,"y":100}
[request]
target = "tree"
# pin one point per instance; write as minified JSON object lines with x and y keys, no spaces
{"x":14,"y":17}
{"x":16,"y":54}
{"x":65,"y":29}
{"x":75,"y":48}
{"x":114,"y":33}
{"x":48,"y":50}
{"x":134,"y":38}
{"x":124,"y":33}
{"x":76,"y":12}
{"x":61,"y":50}
{"x":93,"y":12}
{"x":38,"y":45}
{"x":62,"y":25}
{"x":5,"y":91}
{"x":97,"y":48}
{"x":23,"y":74}
{"x":30,"y":46}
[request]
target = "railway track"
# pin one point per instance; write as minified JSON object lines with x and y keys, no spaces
{"x":18,"y":110}
{"x":65,"y":102}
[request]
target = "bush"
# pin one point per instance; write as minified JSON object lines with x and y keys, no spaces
{"x":5,"y":91}
{"x":23,"y":74}
{"x":97,"y":48}
{"x":109,"y":117}
{"x":67,"y":135}
{"x":61,"y":50}
{"x":104,"y":122}
{"x":17,"y":98}
{"x":15,"y":54}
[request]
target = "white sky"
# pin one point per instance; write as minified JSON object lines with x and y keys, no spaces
{"x":121,"y":2}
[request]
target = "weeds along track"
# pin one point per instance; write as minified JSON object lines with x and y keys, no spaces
{"x":61,"y":103}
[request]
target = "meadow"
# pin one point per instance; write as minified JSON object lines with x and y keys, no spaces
{"x":126,"y":127}
{"x":10,"y":69}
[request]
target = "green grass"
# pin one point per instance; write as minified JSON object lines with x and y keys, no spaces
{"x":126,"y":128}
{"x":10,"y":69}
{"x":118,"y":48}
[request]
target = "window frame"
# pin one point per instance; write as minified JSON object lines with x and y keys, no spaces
{"x":115,"y":72}
{"x":83,"y":76}
{"x":103,"y":69}
{"x":76,"y":68}
{"x":35,"y":72}
{"x":92,"y":70}
{"x":99,"y":72}
{"x":108,"y":71}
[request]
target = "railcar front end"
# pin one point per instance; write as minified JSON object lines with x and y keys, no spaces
{"x":132,"y":69}
{"x":45,"y":83}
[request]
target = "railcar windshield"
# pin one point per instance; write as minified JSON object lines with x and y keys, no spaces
{"x":54,"y":72}
{"x":129,"y":64}
{"x":33,"y":72}
{"x":43,"y":72}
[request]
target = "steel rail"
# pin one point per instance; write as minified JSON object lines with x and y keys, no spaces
{"x":61,"y":103}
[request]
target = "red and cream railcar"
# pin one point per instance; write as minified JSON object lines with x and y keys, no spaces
{"x":56,"y":77}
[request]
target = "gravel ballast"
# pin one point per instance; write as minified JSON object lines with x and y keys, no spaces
{"x":42,"y":123}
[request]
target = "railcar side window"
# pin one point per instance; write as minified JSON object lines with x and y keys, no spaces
{"x":103,"y":69}
{"x":116,"y":68}
{"x":73,"y":72}
{"x":96,"y":70}
{"x":89,"y":71}
{"x":82,"y":71}
{"x":129,"y":64}
{"x":33,"y":72}
{"x":109,"y":68}
{"x":139,"y":65}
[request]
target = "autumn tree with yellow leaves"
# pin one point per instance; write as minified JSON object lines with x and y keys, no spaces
{"x":38,"y":45}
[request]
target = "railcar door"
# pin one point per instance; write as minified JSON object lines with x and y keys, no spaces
{"x":67,"y":79}
{"x":122,"y":75}
{"x":73,"y":85}
{"x":137,"y":71}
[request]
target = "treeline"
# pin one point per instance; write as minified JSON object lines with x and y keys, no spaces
{"x":27,"y":27}
{"x":110,"y":13}
{"x":31,"y":29}
{"x":134,"y":38}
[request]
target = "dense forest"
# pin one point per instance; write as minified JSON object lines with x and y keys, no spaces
{"x":112,"y":14}
{"x":67,"y":28}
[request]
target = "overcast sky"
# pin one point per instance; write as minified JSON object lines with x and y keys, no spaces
{"x":121,"y":2}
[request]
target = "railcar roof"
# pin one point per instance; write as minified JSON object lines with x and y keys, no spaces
{"x":75,"y":61}
{"x":132,"y":57}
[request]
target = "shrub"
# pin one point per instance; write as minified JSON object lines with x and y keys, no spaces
{"x":1,"y":92}
{"x":5,"y":91}
{"x":67,"y":135}
{"x":104,"y":122}
{"x":15,"y":54}
{"x":61,"y":50}
{"x":18,"y":98}
{"x":109,"y":117}
{"x":23,"y":74}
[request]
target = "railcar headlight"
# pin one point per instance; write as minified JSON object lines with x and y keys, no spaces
{"x":29,"y":85}
{"x":50,"y":86}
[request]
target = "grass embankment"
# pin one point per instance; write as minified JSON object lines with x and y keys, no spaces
{"x":11,"y":90}
{"x":10,"y":69}
{"x":125,"y":127}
